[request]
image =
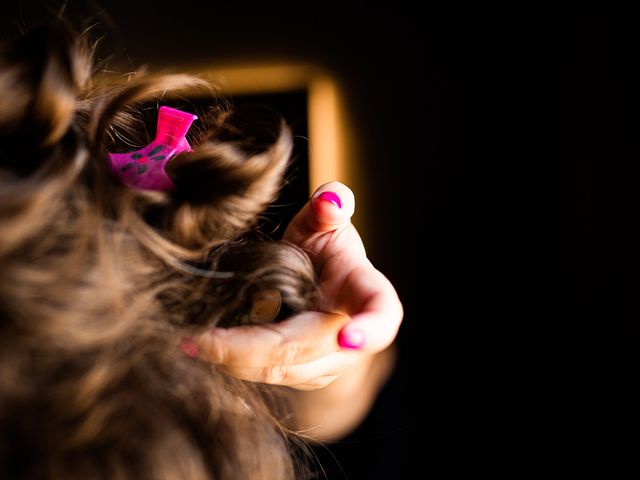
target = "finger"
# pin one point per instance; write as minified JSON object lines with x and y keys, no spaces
{"x":330,"y":207}
{"x":316,"y":383}
{"x":331,"y":365}
{"x":299,"y":339}
{"x":375,"y":321}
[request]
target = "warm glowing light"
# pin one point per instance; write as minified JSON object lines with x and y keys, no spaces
{"x":325,"y":155}
{"x":328,"y":158}
{"x":238,"y":80}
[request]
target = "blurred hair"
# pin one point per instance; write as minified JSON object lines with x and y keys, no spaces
{"x":100,"y":282}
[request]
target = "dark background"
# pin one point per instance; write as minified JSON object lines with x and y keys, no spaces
{"x":504,"y":189}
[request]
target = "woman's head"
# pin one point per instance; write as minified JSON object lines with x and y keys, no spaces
{"x":100,"y":281}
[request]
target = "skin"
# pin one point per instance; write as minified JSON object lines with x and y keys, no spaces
{"x":304,"y":352}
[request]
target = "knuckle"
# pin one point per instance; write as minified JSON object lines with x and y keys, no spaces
{"x":216,"y":349}
{"x":220,"y":351}
{"x":275,"y":374}
{"x":288,"y":352}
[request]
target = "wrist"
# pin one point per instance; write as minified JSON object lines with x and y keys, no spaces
{"x":333,"y":411}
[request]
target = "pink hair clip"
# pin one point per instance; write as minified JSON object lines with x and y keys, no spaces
{"x":145,"y":168}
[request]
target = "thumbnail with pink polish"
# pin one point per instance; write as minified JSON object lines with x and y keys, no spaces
{"x":331,"y":197}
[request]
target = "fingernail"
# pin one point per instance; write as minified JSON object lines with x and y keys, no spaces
{"x":331,"y":197}
{"x":189,"y":347}
{"x":352,"y":338}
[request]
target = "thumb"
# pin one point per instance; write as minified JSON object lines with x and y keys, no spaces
{"x":330,"y":208}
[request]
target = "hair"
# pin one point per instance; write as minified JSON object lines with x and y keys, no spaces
{"x":100,"y":282}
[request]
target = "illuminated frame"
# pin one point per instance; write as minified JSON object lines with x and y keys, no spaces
{"x":329,"y":146}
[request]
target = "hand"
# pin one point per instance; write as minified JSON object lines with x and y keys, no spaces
{"x":360,"y":316}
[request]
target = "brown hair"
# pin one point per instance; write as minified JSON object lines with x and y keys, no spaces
{"x":100,"y":282}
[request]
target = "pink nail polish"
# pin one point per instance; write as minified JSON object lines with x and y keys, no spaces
{"x":331,"y":197}
{"x":353,"y":338}
{"x":189,"y":347}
